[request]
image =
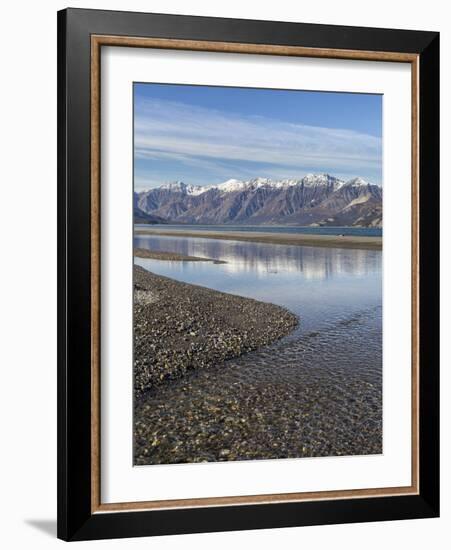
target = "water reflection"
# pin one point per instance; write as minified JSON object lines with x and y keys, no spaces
{"x":310,"y":262}
{"x":321,"y":285}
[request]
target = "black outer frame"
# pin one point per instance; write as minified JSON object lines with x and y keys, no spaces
{"x":75,"y":520}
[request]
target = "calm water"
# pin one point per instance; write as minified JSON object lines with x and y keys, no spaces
{"x":322,"y":285}
{"x":317,"y":392}
{"x":355,"y":231}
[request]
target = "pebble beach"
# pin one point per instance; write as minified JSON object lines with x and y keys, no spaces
{"x":181,"y":327}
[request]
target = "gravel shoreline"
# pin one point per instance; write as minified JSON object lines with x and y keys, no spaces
{"x":179,"y":327}
{"x":171,"y":256}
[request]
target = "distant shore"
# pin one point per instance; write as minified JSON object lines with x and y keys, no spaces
{"x":181,"y":327}
{"x":334,"y":241}
{"x":171,"y":256}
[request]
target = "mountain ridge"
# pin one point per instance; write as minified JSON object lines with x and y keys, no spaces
{"x":314,"y":200}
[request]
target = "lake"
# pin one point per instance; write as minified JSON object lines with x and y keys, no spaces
{"x":316,"y":392}
{"x":348,"y":231}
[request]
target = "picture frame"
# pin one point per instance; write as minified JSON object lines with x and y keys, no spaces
{"x":81,"y":36}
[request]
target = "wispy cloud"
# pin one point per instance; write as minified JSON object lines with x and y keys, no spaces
{"x":214,"y":143}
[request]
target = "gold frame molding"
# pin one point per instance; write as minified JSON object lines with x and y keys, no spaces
{"x":97,"y":41}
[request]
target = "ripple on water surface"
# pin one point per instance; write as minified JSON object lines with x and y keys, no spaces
{"x":317,"y":392}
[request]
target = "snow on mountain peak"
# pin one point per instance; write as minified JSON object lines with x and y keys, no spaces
{"x":181,"y":187}
{"x":195,"y":189}
{"x":173,"y":186}
{"x":259,"y":181}
{"x":231,"y":185}
{"x":312,"y":180}
{"x":357,"y":182}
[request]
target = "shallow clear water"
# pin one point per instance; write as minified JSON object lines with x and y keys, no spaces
{"x":322,"y":285}
{"x":317,"y":392}
{"x":355,"y":231}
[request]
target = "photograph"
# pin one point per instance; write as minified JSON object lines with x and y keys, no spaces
{"x":257,"y":273}
{"x":248,"y":272}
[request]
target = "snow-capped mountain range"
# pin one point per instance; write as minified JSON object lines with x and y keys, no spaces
{"x":315,"y":199}
{"x":232,"y":185}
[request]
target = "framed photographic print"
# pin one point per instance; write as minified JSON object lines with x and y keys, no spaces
{"x":248,"y":274}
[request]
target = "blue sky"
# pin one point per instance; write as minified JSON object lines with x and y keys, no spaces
{"x":205,"y":135}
